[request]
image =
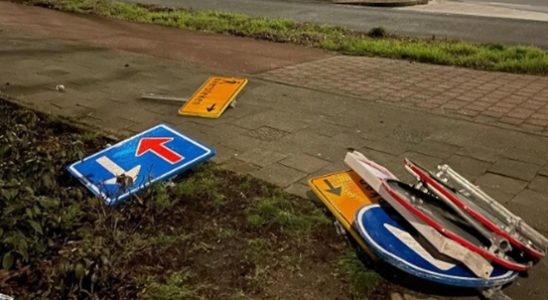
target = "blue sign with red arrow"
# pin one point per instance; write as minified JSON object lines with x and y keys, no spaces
{"x":133,"y":164}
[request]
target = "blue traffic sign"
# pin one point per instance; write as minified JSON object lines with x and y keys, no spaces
{"x":158,"y":153}
{"x":394,"y":241}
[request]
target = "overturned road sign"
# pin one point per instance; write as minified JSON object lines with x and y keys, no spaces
{"x":397,"y":243}
{"x":344,"y":193}
{"x":156,"y":154}
{"x":212,"y":99}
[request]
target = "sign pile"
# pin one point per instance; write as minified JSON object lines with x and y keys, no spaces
{"x":442,"y":228}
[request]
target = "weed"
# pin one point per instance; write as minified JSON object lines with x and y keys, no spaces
{"x":363,"y":280}
{"x":239,"y":295}
{"x":377,"y":32}
{"x":202,"y":182}
{"x":278,"y":210}
{"x":175,"y":287}
{"x":257,"y":251}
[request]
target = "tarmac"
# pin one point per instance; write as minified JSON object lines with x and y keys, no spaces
{"x":301,"y":111}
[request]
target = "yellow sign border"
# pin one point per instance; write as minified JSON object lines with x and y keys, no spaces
{"x":223,"y":108}
{"x":336,"y":212}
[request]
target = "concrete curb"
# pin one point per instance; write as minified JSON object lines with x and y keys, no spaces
{"x":384,"y":3}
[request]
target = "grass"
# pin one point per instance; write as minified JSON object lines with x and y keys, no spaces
{"x":495,"y":57}
{"x":207,"y":234}
{"x":279,"y":211}
{"x":363,"y":281}
{"x":174,"y":288}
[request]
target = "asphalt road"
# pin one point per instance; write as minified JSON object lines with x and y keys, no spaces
{"x":408,"y":23}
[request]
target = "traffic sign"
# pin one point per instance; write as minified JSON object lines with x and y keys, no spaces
{"x":397,"y":243}
{"x":211,"y":100}
{"x":344,"y":193}
{"x":156,"y":154}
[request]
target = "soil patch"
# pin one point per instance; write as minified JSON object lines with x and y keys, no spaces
{"x":209,"y":234}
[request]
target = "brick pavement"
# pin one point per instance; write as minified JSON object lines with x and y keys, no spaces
{"x":504,"y":99}
{"x":283,"y":134}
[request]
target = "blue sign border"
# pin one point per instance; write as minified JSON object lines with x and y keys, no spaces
{"x":504,"y":276}
{"x":210,"y":152}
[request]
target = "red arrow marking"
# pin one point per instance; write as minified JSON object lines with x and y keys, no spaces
{"x":156,"y":145}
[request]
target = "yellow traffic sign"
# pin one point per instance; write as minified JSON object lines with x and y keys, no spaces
{"x":213,"y":97}
{"x":344,"y":193}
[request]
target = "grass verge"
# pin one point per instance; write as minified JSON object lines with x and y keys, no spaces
{"x":495,"y":57}
{"x":209,"y":234}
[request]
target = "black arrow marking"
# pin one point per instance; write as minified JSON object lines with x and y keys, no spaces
{"x":333,"y":190}
{"x":212,"y":107}
{"x":230,"y":81}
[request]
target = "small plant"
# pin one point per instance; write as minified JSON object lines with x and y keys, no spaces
{"x":363,"y":280}
{"x":202,"y":181}
{"x":377,"y":33}
{"x":174,"y":288}
{"x":278,"y":210}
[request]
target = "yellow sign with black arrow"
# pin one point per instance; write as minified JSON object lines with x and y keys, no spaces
{"x":213,"y":97}
{"x":344,"y":193}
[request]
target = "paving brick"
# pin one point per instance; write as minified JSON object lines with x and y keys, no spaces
{"x":348,"y":140}
{"x":526,"y":155}
{"x":280,"y":120}
{"x":304,"y":162}
{"x":279,"y":175}
{"x":239,"y":166}
{"x":299,"y":189}
{"x":543,"y":170}
{"x":515,"y":169}
{"x":500,"y":187}
{"x":434,"y":148}
{"x":479,"y":153}
{"x":327,"y":129}
{"x":532,"y":207}
{"x":468,"y":167}
{"x":538,"y":122}
{"x":506,"y":98}
{"x":532,"y":128}
{"x":224,"y":154}
{"x":492,"y":113}
{"x":235,"y":139}
{"x":410,"y":134}
{"x":520,"y":113}
{"x":266,"y":133}
{"x":539,"y":184}
{"x":387,"y":146}
{"x":511,"y":121}
{"x":261,"y":157}
{"x":377,"y":156}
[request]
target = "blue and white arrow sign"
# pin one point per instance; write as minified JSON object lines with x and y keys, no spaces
{"x":394,"y":241}
{"x":131,"y":165}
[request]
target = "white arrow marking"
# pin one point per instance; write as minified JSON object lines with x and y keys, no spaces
{"x":116,"y":170}
{"x":407,"y":239}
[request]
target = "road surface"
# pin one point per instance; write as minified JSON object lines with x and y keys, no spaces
{"x":412,"y":21}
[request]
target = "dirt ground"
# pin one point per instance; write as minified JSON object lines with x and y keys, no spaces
{"x":211,"y":234}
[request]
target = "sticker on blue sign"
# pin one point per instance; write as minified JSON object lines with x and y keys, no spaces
{"x":156,"y":154}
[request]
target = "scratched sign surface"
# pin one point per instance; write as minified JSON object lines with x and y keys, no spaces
{"x":212,"y":99}
{"x":156,"y":154}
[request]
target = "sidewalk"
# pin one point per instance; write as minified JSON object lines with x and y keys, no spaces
{"x":297,"y":116}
